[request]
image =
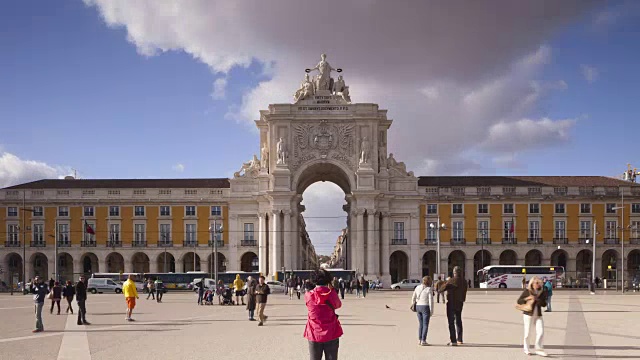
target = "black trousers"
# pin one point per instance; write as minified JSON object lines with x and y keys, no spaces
{"x":454,"y":316}
{"x":329,"y":349}
{"x":82,"y":311}
{"x":342,"y":293}
{"x":152,"y":294}
{"x":159,"y":294}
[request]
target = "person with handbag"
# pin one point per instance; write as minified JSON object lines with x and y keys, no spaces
{"x":422,"y":305}
{"x":531,"y":302}
{"x":323,"y":329}
{"x":55,"y":295}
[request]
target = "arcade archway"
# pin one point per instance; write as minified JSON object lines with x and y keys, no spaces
{"x":89,"y":263}
{"x":166,"y":262}
{"x":429,"y":263}
{"x":115,"y":263}
{"x":65,"y":267}
{"x":533,"y":258}
{"x":398,"y":266}
{"x":249,"y":262}
{"x":456,"y":258}
{"x":140,"y":262}
{"x":610,"y":264}
{"x":188,"y":262}
{"x":39,"y":266}
{"x":13,"y":263}
{"x":508,"y":257}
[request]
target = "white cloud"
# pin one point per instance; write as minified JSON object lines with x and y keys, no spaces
{"x":14,"y":170}
{"x":324,"y":215}
{"x":219,"y":89}
{"x":590,"y":73}
{"x":178,"y":167}
{"x":527,"y":134}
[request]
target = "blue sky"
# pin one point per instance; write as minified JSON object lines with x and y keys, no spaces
{"x":122,"y":89}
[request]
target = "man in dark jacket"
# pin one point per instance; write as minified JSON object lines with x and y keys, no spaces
{"x":40,"y":291}
{"x":456,"y":289}
{"x":262,"y":292}
{"x":81,"y":298}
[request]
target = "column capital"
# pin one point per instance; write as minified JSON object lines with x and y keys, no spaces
{"x":275,"y":212}
{"x":385,"y":214}
{"x":287,"y":212}
{"x":357,"y":212}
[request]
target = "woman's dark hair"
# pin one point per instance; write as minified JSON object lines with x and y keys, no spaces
{"x":321,"y":277}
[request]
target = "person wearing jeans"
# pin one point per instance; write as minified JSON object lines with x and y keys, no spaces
{"x":323,"y":329}
{"x":456,"y":289}
{"x":81,"y":298}
{"x":548,"y":286}
{"x":40,"y":291}
{"x":423,"y":298}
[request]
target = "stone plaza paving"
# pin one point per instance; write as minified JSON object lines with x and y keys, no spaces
{"x":601,"y":326}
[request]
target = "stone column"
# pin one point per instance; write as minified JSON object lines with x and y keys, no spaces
{"x":468,"y":270}
{"x":76,"y":269}
{"x":359,"y":243}
{"x":372,"y":263}
{"x":128,"y":264}
{"x":386,"y":218}
{"x":295,"y":240}
{"x":262,"y":244}
{"x":28,"y":269}
{"x":235,"y":236}
{"x":274,"y":251}
{"x":102,"y":263}
{"x":153,"y":264}
{"x":415,"y":257}
{"x":287,"y":233}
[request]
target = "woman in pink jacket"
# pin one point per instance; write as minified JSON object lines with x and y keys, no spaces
{"x":323,"y":328}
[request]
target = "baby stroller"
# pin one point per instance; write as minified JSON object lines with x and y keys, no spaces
{"x":227,"y":297}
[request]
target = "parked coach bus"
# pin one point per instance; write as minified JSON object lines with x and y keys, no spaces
{"x":510,"y":276}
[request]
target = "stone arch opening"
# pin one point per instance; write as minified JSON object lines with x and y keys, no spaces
{"x":191,"y":262}
{"x":39,"y":266}
{"x":140,"y":262}
{"x":222,"y":263}
{"x":89,"y":263}
{"x":166,"y":262}
{"x":456,"y":258}
{"x":429,"y":263}
{"x":559,"y":258}
{"x":533,"y":258}
{"x":249,"y":262}
{"x":508,"y":257}
{"x":65,"y":267}
{"x":13,"y":264}
{"x":326,"y":184}
{"x":115,"y":263}
{"x":610,"y":264}
{"x":633,"y":264}
{"x":398,"y":266}
{"x":481,"y":259}
{"x":584,"y":263}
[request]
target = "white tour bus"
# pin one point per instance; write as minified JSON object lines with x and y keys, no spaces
{"x":510,"y":276}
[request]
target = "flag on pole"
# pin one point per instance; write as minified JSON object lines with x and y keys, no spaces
{"x":511,"y":228}
{"x":88,"y":229}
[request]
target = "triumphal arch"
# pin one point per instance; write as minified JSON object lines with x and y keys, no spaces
{"x":324,"y":136}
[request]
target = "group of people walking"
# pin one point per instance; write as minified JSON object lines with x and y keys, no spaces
{"x":55,"y":292}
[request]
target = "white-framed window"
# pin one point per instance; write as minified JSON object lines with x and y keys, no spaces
{"x":248,"y":231}
{"x":611,"y":229}
{"x":483,"y":230}
{"x":432,"y":209}
{"x":457,"y":208}
{"x":509,"y":229}
{"x":190,"y":210}
{"x":635,"y":229}
{"x":534,"y":208}
{"x":114,"y":210}
{"x":138,"y":210}
{"x":63,"y":211}
{"x":507,"y":208}
{"x":89,"y":238}
{"x":114,"y":233}
{"x":560,"y":209}
{"x":560,"y":229}
{"x":216,"y":210}
{"x":63,"y":234}
{"x":483,"y":208}
{"x":215,"y":233}
{"x":140,"y":233}
{"x":12,"y":234}
{"x":165,"y":210}
{"x":398,"y":230}
{"x":585,"y":229}
{"x":635,"y":208}
{"x":89,"y":211}
{"x":190,"y":236}
{"x":610,"y":208}
{"x":12,"y":211}
{"x":585,"y":208}
{"x":165,"y":234}
{"x":432,"y":231}
{"x":457,"y":230}
{"x":38,"y":211}
{"x":534,"y":229}
{"x":38,"y":234}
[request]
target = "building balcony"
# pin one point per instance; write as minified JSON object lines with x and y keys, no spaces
{"x":431,"y":241}
{"x":509,"y":241}
{"x":12,"y":244}
{"x":534,"y":241}
{"x":38,"y":244}
{"x":64,"y":244}
{"x":612,"y":241}
{"x":88,"y":243}
{"x":398,"y":241}
{"x":165,"y":244}
{"x":560,"y":241}
{"x":189,"y":243}
{"x":634,"y":241}
{"x":139,"y":243}
{"x":458,"y":241}
{"x":248,"y":242}
{"x":114,"y":243}
{"x":584,"y":241}
{"x":483,"y":241}
{"x":218,"y":243}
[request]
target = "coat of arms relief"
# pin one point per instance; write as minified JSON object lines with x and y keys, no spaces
{"x":323,"y":140}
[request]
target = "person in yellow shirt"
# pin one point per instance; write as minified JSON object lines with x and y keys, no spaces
{"x":130,"y":295}
{"x":238,"y":285}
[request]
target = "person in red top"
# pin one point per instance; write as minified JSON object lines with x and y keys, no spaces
{"x":323,"y":328}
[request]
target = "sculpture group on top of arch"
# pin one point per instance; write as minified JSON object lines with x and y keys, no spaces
{"x":322,"y":83}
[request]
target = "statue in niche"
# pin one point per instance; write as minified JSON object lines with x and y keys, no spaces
{"x":382,"y":156}
{"x":264,"y":157}
{"x":281,"y":148}
{"x":306,"y":90}
{"x":365,"y":151}
{"x":323,"y":80}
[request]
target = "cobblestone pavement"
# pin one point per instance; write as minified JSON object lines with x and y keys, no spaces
{"x":582,"y":326}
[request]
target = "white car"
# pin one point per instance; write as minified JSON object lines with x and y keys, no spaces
{"x":276,"y":286}
{"x":406,"y":284}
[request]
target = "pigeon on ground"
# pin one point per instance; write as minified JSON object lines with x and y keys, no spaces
{"x":387,"y":306}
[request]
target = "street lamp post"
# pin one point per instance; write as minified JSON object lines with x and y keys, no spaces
{"x":593,"y":259}
{"x":439,"y":228}
{"x":214,"y":250}
{"x":24,"y":240}
{"x":621,"y":207}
